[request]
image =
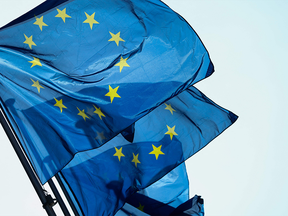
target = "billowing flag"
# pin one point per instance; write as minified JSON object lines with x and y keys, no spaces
{"x":192,"y":207}
{"x":100,"y":91}
{"x":109,"y":175}
{"x":163,"y":196}
{"x":74,"y":74}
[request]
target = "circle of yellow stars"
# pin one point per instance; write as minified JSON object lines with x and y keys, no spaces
{"x":112,"y":92}
{"x":90,"y":20}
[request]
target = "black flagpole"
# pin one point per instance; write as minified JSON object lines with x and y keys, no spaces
{"x":58,"y":197}
{"x":66,"y":195}
{"x":47,"y":201}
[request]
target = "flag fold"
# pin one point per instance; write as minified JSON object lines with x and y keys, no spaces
{"x":163,"y":139}
{"x":101,"y":92}
{"x":74,"y":74}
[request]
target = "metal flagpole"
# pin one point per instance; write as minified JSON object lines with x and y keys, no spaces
{"x":66,"y":195}
{"x":47,"y":201}
{"x":58,"y":197}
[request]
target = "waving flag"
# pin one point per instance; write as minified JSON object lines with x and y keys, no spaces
{"x":100,"y":91}
{"x":74,"y":74}
{"x":163,"y":139}
{"x":165,"y":197}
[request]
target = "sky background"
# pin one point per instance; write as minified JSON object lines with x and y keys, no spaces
{"x":244,"y":170}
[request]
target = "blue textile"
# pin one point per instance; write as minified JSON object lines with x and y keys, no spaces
{"x":192,"y":207}
{"x":163,"y":139}
{"x":162,"y":197}
{"x":74,"y":74}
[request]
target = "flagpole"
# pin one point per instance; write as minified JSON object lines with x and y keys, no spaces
{"x":46,"y":199}
{"x":75,"y":211}
{"x":58,"y":197}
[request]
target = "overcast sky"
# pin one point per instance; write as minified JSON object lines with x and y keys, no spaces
{"x":244,"y":170}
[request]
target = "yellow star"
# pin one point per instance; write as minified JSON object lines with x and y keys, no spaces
{"x":122,"y":63}
{"x":156,"y":151}
{"x":59,"y":104}
{"x":168,"y":107}
{"x":141,"y":207}
{"x":82,"y":113}
{"x":29,"y":41}
{"x":171,"y":131}
{"x":100,"y":136}
{"x":116,"y":38}
{"x":62,"y":14}
{"x":40,"y":23}
{"x":119,"y":153}
{"x":112,"y":93}
{"x":99,"y":112}
{"x":37,"y":85}
{"x":90,"y":19}
{"x":35,"y":61}
{"x":135,"y":159}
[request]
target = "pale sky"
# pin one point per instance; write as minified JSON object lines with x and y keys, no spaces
{"x":243,"y":171}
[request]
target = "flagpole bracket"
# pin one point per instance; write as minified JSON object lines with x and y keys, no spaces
{"x":49,"y":200}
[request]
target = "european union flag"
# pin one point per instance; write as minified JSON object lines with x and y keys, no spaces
{"x":192,"y":207}
{"x":163,"y":139}
{"x":76,"y":73}
{"x":165,"y":197}
{"x":161,"y":198}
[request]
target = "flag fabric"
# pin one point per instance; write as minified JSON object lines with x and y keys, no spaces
{"x":100,"y":91}
{"x":74,"y":74}
{"x":160,"y":198}
{"x":193,"y":207}
{"x":163,"y":196}
{"x":163,"y":139}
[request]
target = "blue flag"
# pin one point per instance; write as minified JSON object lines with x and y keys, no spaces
{"x":163,"y":139}
{"x":74,"y":74}
{"x":160,"y":198}
{"x":165,"y":194}
{"x":192,"y":207}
